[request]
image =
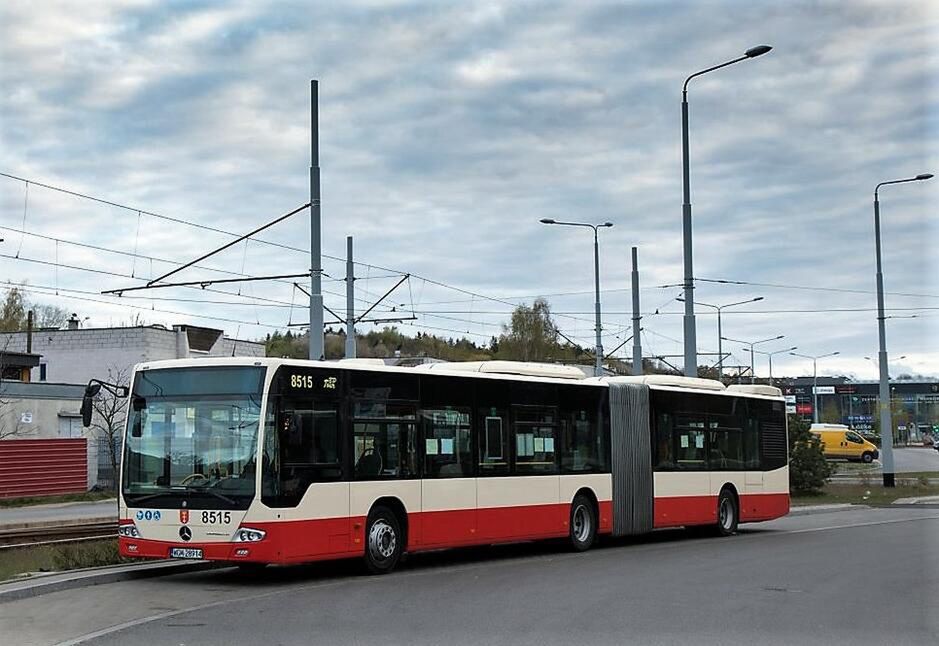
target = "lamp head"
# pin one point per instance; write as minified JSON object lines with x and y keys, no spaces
{"x":758,"y":298}
{"x":759,"y":50}
{"x":607,"y":224}
{"x":546,"y":221}
{"x":924,"y":176}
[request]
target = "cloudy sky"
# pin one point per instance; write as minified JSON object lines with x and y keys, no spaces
{"x":447,"y":130}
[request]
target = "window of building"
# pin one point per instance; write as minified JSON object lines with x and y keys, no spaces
{"x":69,"y":426}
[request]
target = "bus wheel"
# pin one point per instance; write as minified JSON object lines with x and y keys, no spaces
{"x":383,"y":544}
{"x":726,"y":513}
{"x":583,"y":524}
{"x":868,"y":457}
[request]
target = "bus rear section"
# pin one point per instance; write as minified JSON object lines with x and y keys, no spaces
{"x":690,"y":452}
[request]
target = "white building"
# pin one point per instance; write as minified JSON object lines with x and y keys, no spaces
{"x":75,"y":355}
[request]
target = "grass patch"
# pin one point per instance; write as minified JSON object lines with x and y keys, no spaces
{"x":88,"y":496}
{"x":867,"y":494}
{"x":58,"y":558}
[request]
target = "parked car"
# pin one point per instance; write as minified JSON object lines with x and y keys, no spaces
{"x":839,"y":441}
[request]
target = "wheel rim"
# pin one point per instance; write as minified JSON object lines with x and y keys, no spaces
{"x":580,"y":524}
{"x":727,"y":513}
{"x":382,"y":540}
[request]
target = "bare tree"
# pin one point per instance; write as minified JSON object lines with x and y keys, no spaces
{"x":10,"y":424}
{"x":110,"y":414}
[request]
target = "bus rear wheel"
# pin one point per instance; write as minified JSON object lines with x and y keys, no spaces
{"x":583,"y":524}
{"x":383,"y":541}
{"x":727,"y":514}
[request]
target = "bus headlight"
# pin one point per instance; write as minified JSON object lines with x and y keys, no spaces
{"x":128,"y":531}
{"x":249,"y":535}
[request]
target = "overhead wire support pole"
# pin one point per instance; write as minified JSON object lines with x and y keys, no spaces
{"x":350,"y":301}
{"x":227,"y":245}
{"x":316,"y":349}
{"x":202,"y":283}
{"x":637,"y":344}
{"x":384,"y":296}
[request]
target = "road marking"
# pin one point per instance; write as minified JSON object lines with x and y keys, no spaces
{"x":432,"y":570}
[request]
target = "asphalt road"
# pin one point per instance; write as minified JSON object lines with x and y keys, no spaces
{"x":863,"y":576}
{"x":919,"y":459}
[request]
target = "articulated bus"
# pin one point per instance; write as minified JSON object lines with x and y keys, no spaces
{"x":278,"y":461}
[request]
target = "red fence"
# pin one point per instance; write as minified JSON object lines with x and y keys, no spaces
{"x":43,"y":467}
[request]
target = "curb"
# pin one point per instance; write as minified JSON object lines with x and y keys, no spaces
{"x":45,"y":584}
{"x":802,"y":510}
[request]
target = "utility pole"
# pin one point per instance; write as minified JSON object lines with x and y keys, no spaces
{"x":637,"y":344}
{"x":316,"y":260}
{"x":350,"y":301}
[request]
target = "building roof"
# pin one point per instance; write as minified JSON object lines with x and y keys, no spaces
{"x":19,"y":359}
{"x":41,"y":390}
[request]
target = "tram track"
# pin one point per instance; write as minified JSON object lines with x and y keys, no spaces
{"x":18,"y":537}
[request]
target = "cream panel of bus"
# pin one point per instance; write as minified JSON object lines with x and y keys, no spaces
{"x":364,"y":494}
{"x":743,"y":481}
{"x":321,"y":500}
{"x":681,"y":483}
{"x":600,"y":483}
{"x":776,"y":481}
{"x":517,"y":491}
{"x":448,"y":494}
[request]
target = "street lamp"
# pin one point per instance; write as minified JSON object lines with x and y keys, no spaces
{"x":814,"y":378}
{"x":751,"y":344}
{"x":770,"y":355}
{"x":720,"y":349}
{"x":886,"y":424}
{"x":598,"y":368}
{"x":874,"y":361}
{"x":691,"y":355}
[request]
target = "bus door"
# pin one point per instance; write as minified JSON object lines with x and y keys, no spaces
{"x":448,"y":487}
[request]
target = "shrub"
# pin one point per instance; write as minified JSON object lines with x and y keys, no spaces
{"x":808,"y":469}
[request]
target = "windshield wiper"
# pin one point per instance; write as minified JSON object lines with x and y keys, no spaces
{"x":220,"y":496}
{"x":149,"y":496}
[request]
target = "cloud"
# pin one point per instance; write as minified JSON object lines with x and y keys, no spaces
{"x":447,"y":131}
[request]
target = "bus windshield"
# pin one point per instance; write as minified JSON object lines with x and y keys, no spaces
{"x":192,"y":436}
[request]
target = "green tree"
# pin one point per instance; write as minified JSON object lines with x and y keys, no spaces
{"x":808,"y":469}
{"x":531,"y":334}
{"x":13,"y":311}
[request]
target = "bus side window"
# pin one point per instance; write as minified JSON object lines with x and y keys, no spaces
{"x":535,"y":431}
{"x":448,"y":450}
{"x":493,"y":443}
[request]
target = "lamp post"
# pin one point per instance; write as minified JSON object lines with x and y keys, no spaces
{"x":691,"y":355}
{"x":720,"y":348}
{"x":598,"y":367}
{"x":814,"y":378}
{"x":886,"y":423}
{"x":770,"y":355}
{"x":751,"y":344}
{"x":876,"y":367}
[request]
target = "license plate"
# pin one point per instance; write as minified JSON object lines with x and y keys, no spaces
{"x":185,"y":553}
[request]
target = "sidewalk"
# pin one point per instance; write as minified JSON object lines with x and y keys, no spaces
{"x":65,"y":513}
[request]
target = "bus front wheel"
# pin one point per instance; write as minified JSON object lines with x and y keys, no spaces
{"x":383,"y":541}
{"x":583,"y":524}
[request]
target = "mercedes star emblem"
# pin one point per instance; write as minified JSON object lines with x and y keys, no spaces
{"x":185,"y":533}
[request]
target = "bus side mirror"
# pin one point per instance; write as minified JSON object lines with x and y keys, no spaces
{"x":91,"y":391}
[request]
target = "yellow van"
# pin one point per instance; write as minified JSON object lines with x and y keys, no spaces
{"x":839,"y":441}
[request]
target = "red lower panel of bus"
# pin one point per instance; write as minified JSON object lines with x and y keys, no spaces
{"x":702,"y":510}
{"x":322,"y":539}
